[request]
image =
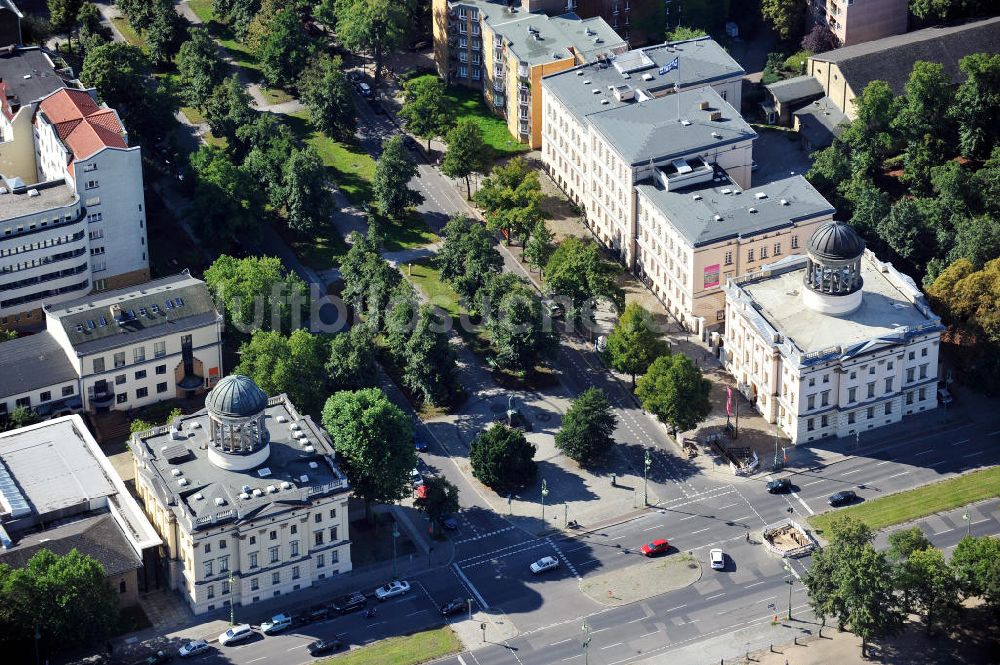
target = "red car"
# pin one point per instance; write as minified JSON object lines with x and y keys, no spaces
{"x":655,"y":547}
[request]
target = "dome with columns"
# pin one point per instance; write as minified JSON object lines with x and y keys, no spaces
{"x":833,"y":274}
{"x":237,"y":430}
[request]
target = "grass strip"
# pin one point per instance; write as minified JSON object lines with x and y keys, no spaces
{"x":404,"y":650}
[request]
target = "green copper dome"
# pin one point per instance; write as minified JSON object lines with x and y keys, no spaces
{"x":236,"y":396}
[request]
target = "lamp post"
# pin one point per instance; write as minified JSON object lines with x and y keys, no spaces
{"x":545,"y":493}
{"x":232,"y":601}
{"x":968,"y":523}
{"x":586,"y":643}
{"x":395,"y":535}
{"x":646,"y":463}
{"x":790,"y":582}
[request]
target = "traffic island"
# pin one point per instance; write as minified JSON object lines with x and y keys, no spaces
{"x":639,"y":582}
{"x":403,"y":650}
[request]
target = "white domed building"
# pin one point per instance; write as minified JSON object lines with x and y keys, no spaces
{"x":833,"y":343}
{"x":247,"y":497}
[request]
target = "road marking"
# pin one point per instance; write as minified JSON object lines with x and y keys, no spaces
{"x":676,"y":608}
{"x":847,"y":473}
{"x":815,"y":482}
{"x":301,"y":646}
{"x":572,"y":657}
{"x":938,"y":463}
{"x":644,"y":618}
{"x":618,"y":538}
{"x":729,"y":506}
{"x":601,"y":630}
{"x":923,"y":452}
{"x":413,"y":614}
{"x":740,"y":519}
{"x":689,"y":517}
{"x":256,"y":659}
{"x":461,"y":660}
{"x":994,"y":433}
{"x":465,"y":580}
{"x":694,"y":533}
{"x":612,"y":646}
{"x":569,"y":564}
{"x":985,"y":519}
{"x":888,"y":461}
{"x":715,"y":596}
{"x":804,"y":504}
{"x":755,"y":584}
{"x":655,"y":632}
{"x":897,"y":475}
{"x":938,"y":533}
{"x":959,"y":443}
{"x":560,"y":642}
{"x":974,"y":454}
{"x":658,"y":526}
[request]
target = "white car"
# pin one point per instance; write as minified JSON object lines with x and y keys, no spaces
{"x":193,"y":648}
{"x":236,"y":634}
{"x":276,"y":624}
{"x":543,"y":564}
{"x":718,"y":559}
{"x":392,"y":589}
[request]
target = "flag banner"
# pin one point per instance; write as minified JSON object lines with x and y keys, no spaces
{"x":729,"y":401}
{"x":673,"y":64}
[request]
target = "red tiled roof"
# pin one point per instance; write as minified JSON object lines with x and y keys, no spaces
{"x":82,"y":125}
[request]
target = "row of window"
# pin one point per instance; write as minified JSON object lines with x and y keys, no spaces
{"x":275,"y":576}
{"x":43,"y":397}
{"x":41,"y":244}
{"x":138,"y":354}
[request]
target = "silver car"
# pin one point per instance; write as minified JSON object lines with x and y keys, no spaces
{"x":544,"y":564}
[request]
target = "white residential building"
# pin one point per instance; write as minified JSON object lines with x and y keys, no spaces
{"x":834,"y":343}
{"x":71,"y":195}
{"x":118,"y":349}
{"x":247,"y":497}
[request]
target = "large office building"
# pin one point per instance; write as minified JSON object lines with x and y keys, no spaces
{"x":833,"y":343}
{"x":247,"y":497}
{"x":59,"y":492}
{"x":71,"y":194}
{"x":116,"y":350}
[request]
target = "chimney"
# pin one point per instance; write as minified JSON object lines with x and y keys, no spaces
{"x":703,"y":105}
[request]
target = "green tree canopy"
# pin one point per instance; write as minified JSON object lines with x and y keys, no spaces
{"x":64,"y":16}
{"x":285,"y":49}
{"x":633,"y":344}
{"x":294,"y":365}
{"x":237,"y":14}
{"x":256,"y":293}
{"x":426,"y":108}
{"x":21,"y":416}
{"x":577,"y":273}
{"x":467,"y":257}
{"x":351,"y":364}
{"x":374,"y":443}
{"x":165,"y":32}
{"x":787,"y":17}
{"x":372,"y":26}
{"x":682,"y":33}
{"x":977,"y":104}
{"x":226,"y":203}
{"x":200,"y":67}
{"x":306,"y":190}
{"x":539,"y":248}
{"x":393,"y":171}
{"x":467,"y":152}
{"x":904,"y":542}
{"x":326,"y":92}
{"x":430,"y":360}
{"x":502,"y":459}
{"x":440,"y":500}
{"x":948,"y":10}
{"x":976,"y":562}
{"x":228,"y":108}
{"x":511,"y":199}
{"x":520,"y":337}
{"x":400,"y":320}
{"x":368,"y":281}
{"x":270,"y":142}
{"x":929,"y":588}
{"x":587,"y":428}
{"x":674,"y":391}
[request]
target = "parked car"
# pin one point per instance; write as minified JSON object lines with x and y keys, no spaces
{"x":544,"y":564}
{"x":552,"y":308}
{"x":779,"y":485}
{"x":944,"y":396}
{"x":416,"y":478}
{"x":392,"y":589}
{"x":717,"y":558}
{"x":322,"y":647}
{"x":601,"y":343}
{"x":454,"y":607}
{"x":450,"y":523}
{"x":364,"y":89}
{"x":193,"y":648}
{"x":655,"y":547}
{"x":350,"y":603}
{"x":409,"y":142}
{"x":355,"y":76}
{"x":317,"y":613}
{"x":236,"y":634}
{"x":421,"y":446}
{"x":841,"y":498}
{"x":276,"y":624}
{"x":158,"y":658}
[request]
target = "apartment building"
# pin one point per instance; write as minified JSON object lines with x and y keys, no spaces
{"x":71,"y":194}
{"x":833,"y":343}
{"x":247,"y":497}
{"x":856,"y":21}
{"x":505,"y":51}
{"x":629,"y":18}
{"x":10,"y":23}
{"x":118,"y":350}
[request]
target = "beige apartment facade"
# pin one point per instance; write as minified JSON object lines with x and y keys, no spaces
{"x":856,"y":21}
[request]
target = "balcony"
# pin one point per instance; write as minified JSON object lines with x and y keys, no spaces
{"x":191,"y":382}
{"x":101,"y":398}
{"x":498,"y":87}
{"x":522,"y":85}
{"x":523,"y":71}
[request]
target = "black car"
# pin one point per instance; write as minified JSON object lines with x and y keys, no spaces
{"x":409,"y":143}
{"x":454,"y":607}
{"x":350,"y":603}
{"x":321,"y":647}
{"x":779,"y":485}
{"x":840,"y":498}
{"x":158,"y":658}
{"x":317,"y":613}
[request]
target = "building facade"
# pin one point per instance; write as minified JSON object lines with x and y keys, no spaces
{"x":834,"y":343}
{"x":71,"y":196}
{"x":118,"y":350}
{"x":856,"y":21}
{"x":247,"y":497}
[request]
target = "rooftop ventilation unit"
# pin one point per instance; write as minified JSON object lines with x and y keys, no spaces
{"x":727,"y":191}
{"x":245,"y":489}
{"x":589,"y":32}
{"x":195,"y":425}
{"x":257,"y":492}
{"x":32,"y":193}
{"x":183,"y":482}
{"x":282,"y":419}
{"x":244,"y":496}
{"x":716,"y":135}
{"x":703,"y":105}
{"x":605,"y":101}
{"x":219,"y":501}
{"x":784,"y":202}
{"x":271,"y":489}
{"x":752,"y":210}
{"x":597,"y":91}
{"x":295,"y":427}
{"x":718,"y":218}
{"x":760,"y":195}
{"x":286,"y":485}
{"x":686,"y":123}
{"x":264,"y":473}
{"x":303,"y":478}
{"x":309,"y":449}
{"x":598,"y":40}
{"x":176,"y":472}
{"x":715,"y":116}
{"x":696,"y":197}
{"x":199,"y":496}
{"x":313,"y":465}
{"x":647,"y":77}
{"x":586,"y":81}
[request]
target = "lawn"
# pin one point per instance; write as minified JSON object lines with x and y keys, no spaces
{"x":919,"y":502}
{"x":318,"y":251}
{"x":275,"y":95}
{"x":426,"y":276}
{"x":469,"y":103}
{"x":412,"y":233}
{"x":405,"y":650}
{"x":203,"y":9}
{"x":130,"y":35}
{"x":353,"y":168}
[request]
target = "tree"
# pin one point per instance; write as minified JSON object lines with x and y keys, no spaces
{"x":326,"y":92}
{"x":430,"y":360}
{"x":200,"y":67}
{"x":226,"y":206}
{"x":400,"y":320}
{"x":256,"y":293}
{"x":64,"y":17}
{"x":374,"y":443}
{"x":285,"y":49}
{"x":577,"y":274}
{"x":228,"y":108}
{"x":373,"y":26}
{"x":7,"y":335}
{"x":368,"y":281}
{"x":520,"y":337}
{"x":633,"y":344}
{"x":426,"y":107}
{"x":270,"y":142}
{"x":467,"y":257}
{"x":139,"y":12}
{"x":870,"y":136}
{"x":439,"y":500}
{"x":683,"y":33}
{"x":869,"y":205}
{"x":502,"y":459}
{"x":538,"y":250}
{"x":21,"y":416}
{"x":351,"y":364}
{"x":511,"y":199}
{"x":977,"y":104}
{"x":238,"y":14}
{"x":587,"y":428}
{"x":819,"y":39}
{"x":904,"y":542}
{"x":92,"y":32}
{"x":947,"y":10}
{"x":925,"y":104}
{"x":929,"y":588}
{"x":295,"y":365}
{"x":674,"y":391}
{"x":786,"y":16}
{"x":976,"y":562}
{"x":393,"y":170}
{"x":165,"y":32}
{"x":467,"y":152}
{"x":307,"y":192}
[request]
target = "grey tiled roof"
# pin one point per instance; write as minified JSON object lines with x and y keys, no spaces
{"x":556,"y":35}
{"x":33,"y":362}
{"x":821,"y":121}
{"x":651,"y":129}
{"x":891,"y":59}
{"x":98,"y":536}
{"x":30,"y":75}
{"x":695,"y":218}
{"x":800,"y":87}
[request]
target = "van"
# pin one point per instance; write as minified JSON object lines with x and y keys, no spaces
{"x":364,"y":89}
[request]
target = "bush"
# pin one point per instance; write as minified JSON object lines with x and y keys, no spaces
{"x":793,"y":63}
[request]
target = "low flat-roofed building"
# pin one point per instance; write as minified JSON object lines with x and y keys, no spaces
{"x":247,"y":497}
{"x":819,"y":123}
{"x":58,"y":491}
{"x":786,"y":97}
{"x":833,"y":343}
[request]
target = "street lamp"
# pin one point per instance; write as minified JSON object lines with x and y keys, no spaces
{"x":968,"y":523}
{"x":232,"y":601}
{"x":586,"y":643}
{"x":647,"y":462}
{"x":395,"y":535}
{"x":545,"y":493}
{"x":790,"y":583}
